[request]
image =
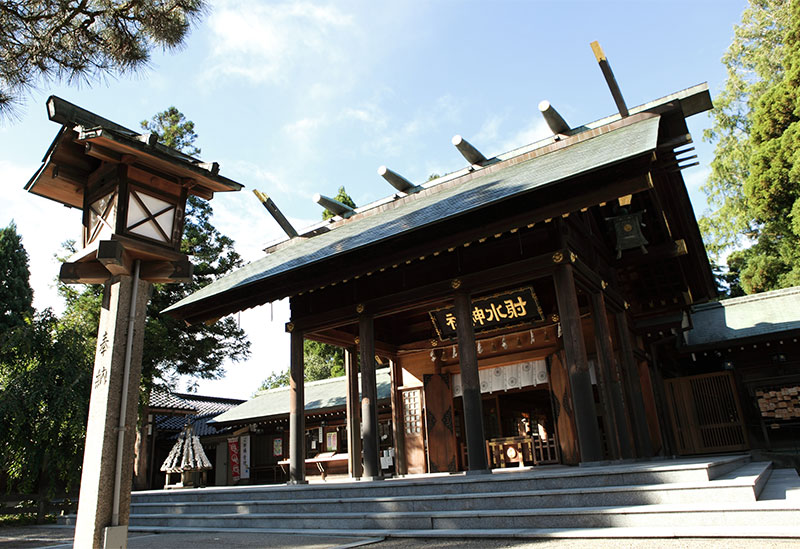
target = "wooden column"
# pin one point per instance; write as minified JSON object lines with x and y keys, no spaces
{"x":589,"y":440}
{"x":353,"y":415}
{"x":470,"y":384}
{"x":617,"y":430}
{"x":398,"y":431}
{"x":297,"y":414}
{"x":369,"y":397}
{"x":633,"y":386}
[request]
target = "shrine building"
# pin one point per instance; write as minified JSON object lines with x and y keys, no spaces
{"x":524,"y":305}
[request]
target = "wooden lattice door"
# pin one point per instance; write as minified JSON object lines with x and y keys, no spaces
{"x":414,"y":430}
{"x":706,"y":414}
{"x":439,"y":423}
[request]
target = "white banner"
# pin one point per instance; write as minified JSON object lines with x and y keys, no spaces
{"x":244,"y":452}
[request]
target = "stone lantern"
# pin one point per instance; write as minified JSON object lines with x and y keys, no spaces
{"x":132,"y":193}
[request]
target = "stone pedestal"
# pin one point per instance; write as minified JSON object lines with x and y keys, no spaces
{"x":95,"y":505}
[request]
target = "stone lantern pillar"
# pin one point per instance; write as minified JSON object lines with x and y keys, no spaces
{"x":132,"y":193}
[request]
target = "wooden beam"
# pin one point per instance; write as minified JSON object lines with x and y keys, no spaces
{"x":112,"y":255}
{"x":352,"y":410}
{"x":554,"y":120}
{"x":470,"y":153}
{"x":90,"y":272}
{"x":297,"y":416}
{"x":470,"y":383}
{"x":605,"y":67}
{"x":397,"y":181}
{"x":591,"y":448}
{"x":369,"y":396}
{"x":167,"y":271}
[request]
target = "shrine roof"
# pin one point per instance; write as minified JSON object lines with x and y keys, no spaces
{"x":325,"y":394}
{"x":499,"y":180}
{"x":189,"y":403}
{"x":767,"y":313}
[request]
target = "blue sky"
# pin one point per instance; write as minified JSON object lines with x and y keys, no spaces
{"x":295,"y":98}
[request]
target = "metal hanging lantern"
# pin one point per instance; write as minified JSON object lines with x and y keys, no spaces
{"x":628,"y":232}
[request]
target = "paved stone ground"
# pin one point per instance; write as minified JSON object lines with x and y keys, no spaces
{"x":37,"y":537}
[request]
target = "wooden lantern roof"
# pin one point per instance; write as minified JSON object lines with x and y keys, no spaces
{"x":87,"y":141}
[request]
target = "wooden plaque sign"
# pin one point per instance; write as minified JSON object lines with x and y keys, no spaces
{"x":491,"y":313}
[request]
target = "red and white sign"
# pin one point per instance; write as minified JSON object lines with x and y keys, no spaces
{"x":233,"y":455}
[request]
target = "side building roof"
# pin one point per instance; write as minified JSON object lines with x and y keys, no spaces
{"x":322,"y":395}
{"x":776,"y":312}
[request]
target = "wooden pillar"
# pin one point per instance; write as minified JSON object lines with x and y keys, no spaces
{"x":297,"y":413}
{"x":589,"y":440}
{"x":470,"y":384}
{"x":618,"y":434}
{"x":141,"y":465}
{"x":353,"y":415}
{"x":102,"y":511}
{"x":369,"y":397}
{"x":633,"y":385}
{"x":398,"y":432}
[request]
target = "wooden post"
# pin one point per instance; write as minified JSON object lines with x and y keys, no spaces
{"x":633,"y":383}
{"x":353,"y":417}
{"x":618,"y":437}
{"x":297,"y":413}
{"x":398,"y":432}
{"x":96,"y":521}
{"x":589,"y":440}
{"x":470,"y":384}
{"x":369,"y":397}
{"x":141,"y":464}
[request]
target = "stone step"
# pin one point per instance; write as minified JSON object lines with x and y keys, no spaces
{"x":740,"y":488}
{"x":718,"y":513}
{"x":502,"y":481}
{"x":617,"y":533}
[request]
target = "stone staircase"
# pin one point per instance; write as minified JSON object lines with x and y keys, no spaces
{"x":685,"y":498}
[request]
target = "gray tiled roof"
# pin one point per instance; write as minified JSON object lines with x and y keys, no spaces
{"x":320,"y":395}
{"x":435,"y":205}
{"x":742,"y":317}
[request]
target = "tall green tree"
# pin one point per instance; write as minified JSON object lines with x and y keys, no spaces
{"x":757,"y":64}
{"x":16,"y":295}
{"x":82,"y":40}
{"x":45,"y":376}
{"x":342,"y":197}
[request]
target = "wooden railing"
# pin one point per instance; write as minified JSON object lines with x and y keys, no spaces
{"x":530,"y":450}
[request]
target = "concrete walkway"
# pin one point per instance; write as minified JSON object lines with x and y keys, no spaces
{"x":52,"y":537}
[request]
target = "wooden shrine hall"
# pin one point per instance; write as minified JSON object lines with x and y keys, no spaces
{"x":518,"y":302}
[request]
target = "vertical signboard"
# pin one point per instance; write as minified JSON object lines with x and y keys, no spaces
{"x":233,"y":453}
{"x":244,"y":456}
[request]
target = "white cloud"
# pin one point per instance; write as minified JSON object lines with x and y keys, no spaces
{"x":534,"y":131}
{"x":259,"y":42}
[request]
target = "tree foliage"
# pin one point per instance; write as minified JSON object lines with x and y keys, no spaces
{"x":321,"y":361}
{"x":172,"y":348}
{"x":342,"y":197}
{"x":45,"y":376}
{"x":749,"y":215}
{"x":83,"y":40}
{"x":16,"y":295}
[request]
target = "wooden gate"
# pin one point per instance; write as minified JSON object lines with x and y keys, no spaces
{"x":563,"y":413}
{"x":414,"y":430}
{"x":706,"y":414}
{"x":439,"y":423}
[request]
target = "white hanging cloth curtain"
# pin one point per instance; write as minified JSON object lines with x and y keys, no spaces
{"x":503,"y":378}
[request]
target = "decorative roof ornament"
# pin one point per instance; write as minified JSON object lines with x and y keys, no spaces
{"x":187,"y":455}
